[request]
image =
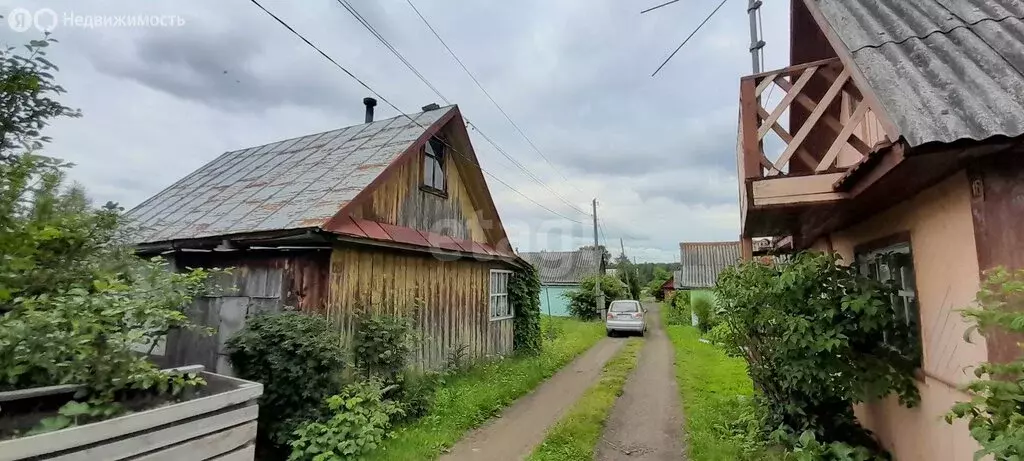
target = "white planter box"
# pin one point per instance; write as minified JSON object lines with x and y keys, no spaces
{"x":218,"y":427}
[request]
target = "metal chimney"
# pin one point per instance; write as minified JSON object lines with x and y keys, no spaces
{"x":369,"y":103}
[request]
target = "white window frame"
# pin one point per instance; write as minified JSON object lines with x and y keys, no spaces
{"x":873,"y":264}
{"x":495,"y":295}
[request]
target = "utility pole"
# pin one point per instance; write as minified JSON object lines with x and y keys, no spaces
{"x":755,"y":37}
{"x":599,"y":294}
{"x":622,"y":247}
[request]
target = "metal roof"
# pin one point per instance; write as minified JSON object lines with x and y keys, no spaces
{"x":292,"y":184}
{"x":703,"y":261}
{"x":944,"y":70}
{"x":563,"y":267}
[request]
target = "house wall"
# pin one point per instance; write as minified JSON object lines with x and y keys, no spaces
{"x":942,"y":237}
{"x":553,"y":300}
{"x":998,"y":211}
{"x":257,"y":282}
{"x":447,"y":300}
{"x":400,"y":201}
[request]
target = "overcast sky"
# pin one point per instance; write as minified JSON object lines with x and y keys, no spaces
{"x":658,"y":153}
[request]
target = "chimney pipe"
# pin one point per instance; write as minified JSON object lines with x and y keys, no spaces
{"x":369,"y":102}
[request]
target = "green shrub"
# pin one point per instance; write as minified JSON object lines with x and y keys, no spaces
{"x":524,"y":294}
{"x":414,"y":393}
{"x":360,"y":419}
{"x":818,"y":338}
{"x":582,"y":301}
{"x":704,"y":307}
{"x":298,"y":358}
{"x":678,"y":312}
{"x":381,"y":346}
{"x":994,"y":413}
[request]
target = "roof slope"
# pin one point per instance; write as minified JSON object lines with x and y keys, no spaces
{"x":944,"y":70}
{"x":703,"y":261}
{"x":293,"y":184}
{"x":563,"y":267}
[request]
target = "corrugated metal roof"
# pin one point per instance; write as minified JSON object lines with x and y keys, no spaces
{"x":292,"y":184}
{"x":944,"y":70}
{"x":563,"y":267}
{"x":703,"y":261}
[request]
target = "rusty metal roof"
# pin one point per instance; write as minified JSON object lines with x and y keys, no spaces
{"x":703,"y":261}
{"x":944,"y":70}
{"x":563,"y":267}
{"x":292,"y":184}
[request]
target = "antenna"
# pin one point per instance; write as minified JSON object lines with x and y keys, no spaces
{"x":753,"y":10}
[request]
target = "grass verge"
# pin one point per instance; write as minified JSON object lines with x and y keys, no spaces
{"x":469,"y":399}
{"x":576,"y":435}
{"x":716,"y":392}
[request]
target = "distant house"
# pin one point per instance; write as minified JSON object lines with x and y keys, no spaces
{"x":391,"y":216}
{"x":668,"y":287}
{"x":561,"y":271}
{"x":701,"y":264}
{"x":902,"y":152}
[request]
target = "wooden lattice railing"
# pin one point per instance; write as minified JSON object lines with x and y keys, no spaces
{"x":835,"y":128}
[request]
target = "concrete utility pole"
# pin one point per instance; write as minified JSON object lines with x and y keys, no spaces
{"x":755,"y":39}
{"x":599,"y":294}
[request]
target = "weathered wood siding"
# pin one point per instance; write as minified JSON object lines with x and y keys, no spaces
{"x":448,"y":301}
{"x":400,"y":201}
{"x":258,"y":282}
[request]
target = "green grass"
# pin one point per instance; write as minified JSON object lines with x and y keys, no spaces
{"x":469,"y":399}
{"x":714,"y":388}
{"x":574,"y":437}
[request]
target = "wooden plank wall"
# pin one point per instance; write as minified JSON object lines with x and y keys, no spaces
{"x":401,"y":202}
{"x":452,"y":298}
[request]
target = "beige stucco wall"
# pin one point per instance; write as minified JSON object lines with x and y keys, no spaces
{"x":946,"y":265}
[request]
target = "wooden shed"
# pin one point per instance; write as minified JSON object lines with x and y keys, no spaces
{"x":392,"y":216}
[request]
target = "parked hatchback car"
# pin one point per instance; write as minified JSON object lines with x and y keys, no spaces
{"x":626,"y":316}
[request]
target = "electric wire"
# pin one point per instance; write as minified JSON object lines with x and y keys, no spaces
{"x":393,"y":106}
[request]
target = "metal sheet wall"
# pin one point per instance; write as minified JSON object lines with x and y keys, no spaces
{"x":447,"y":300}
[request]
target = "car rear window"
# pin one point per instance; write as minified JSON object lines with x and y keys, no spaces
{"x":623,"y":307}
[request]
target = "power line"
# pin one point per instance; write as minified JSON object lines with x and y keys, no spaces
{"x":389,"y":103}
{"x":366,"y":24}
{"x":359,"y":17}
{"x":705,"y":21}
{"x":488,"y":94}
{"x":521,"y":167}
{"x":659,"y":6}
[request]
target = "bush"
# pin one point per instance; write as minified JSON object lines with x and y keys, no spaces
{"x":703,"y":305}
{"x":382,"y":345}
{"x":299,"y":359}
{"x":414,"y":393}
{"x":582,"y":300}
{"x":678,"y":309}
{"x":524,"y":294}
{"x":360,"y":420}
{"x":994,"y":412}
{"x":75,"y":301}
{"x":818,"y":337}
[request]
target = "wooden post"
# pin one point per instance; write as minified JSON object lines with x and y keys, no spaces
{"x":746,"y":248}
{"x":750,"y":145}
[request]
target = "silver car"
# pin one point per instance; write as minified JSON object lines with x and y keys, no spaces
{"x":626,"y":316}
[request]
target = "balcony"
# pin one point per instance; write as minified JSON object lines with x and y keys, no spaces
{"x":830,"y":129}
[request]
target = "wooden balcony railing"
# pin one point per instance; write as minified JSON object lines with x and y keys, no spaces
{"x":834,"y":125}
{"x":820,"y":127}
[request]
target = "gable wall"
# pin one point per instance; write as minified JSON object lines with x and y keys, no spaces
{"x":400,"y":201}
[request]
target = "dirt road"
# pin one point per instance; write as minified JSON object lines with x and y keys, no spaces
{"x":646,"y":422}
{"x":514,"y":434}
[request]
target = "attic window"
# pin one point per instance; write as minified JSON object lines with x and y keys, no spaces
{"x":433,"y":165}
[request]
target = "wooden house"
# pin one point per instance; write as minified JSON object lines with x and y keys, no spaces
{"x":390,"y":215}
{"x":560,"y":272}
{"x":905,"y":122}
